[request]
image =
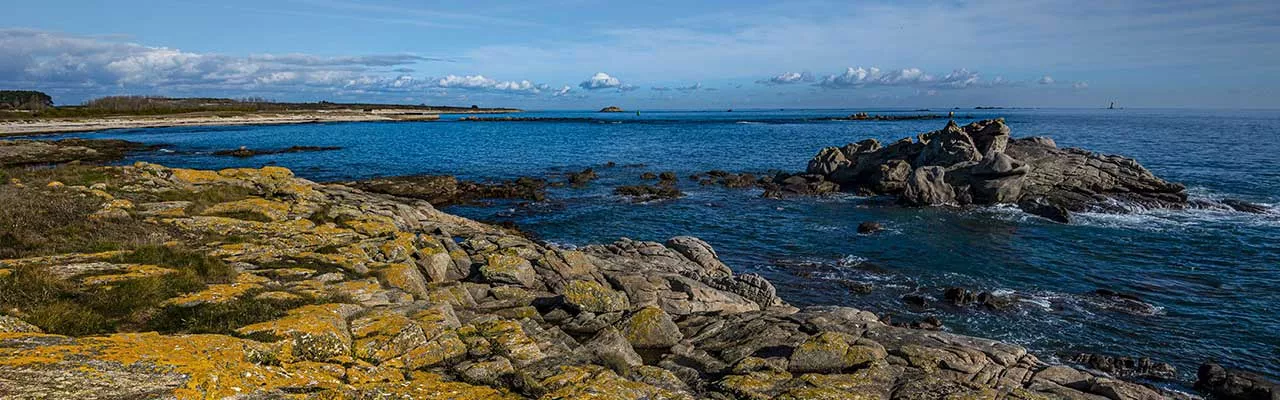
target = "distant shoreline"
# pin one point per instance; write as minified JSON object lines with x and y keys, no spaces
{"x":71,"y":125}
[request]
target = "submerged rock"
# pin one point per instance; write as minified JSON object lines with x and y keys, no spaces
{"x":869,"y":227}
{"x":579,"y":179}
{"x":643,"y":193}
{"x":243,"y":152}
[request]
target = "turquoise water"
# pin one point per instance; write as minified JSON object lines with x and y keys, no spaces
{"x":1212,"y":275}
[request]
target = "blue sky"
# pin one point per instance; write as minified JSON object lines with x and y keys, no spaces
{"x":683,"y":54}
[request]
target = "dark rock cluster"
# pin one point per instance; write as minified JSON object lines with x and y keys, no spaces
{"x":980,"y":163}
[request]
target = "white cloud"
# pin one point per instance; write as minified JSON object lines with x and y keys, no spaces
{"x":47,"y":60}
{"x":563,"y":91}
{"x":479,"y":82}
{"x":602,"y":80}
{"x":787,"y":78}
{"x":1045,"y":80}
{"x":1080,"y":85}
{"x":859,"y":77}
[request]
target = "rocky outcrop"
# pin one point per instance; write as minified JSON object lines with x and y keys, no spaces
{"x":244,"y":152}
{"x":1230,"y":384}
{"x":611,"y":109}
{"x":645,"y":193}
{"x":39,"y":152}
{"x":981,"y":163}
{"x":395,"y":299}
{"x":444,"y":190}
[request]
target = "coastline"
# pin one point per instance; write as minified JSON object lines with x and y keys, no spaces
{"x":70,"y":125}
{"x":418,"y":301}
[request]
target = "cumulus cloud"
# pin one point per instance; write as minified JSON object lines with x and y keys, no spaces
{"x":479,"y":82}
{"x":602,"y":80}
{"x":859,"y":77}
{"x":787,"y":78}
{"x":563,"y":91}
{"x":1046,"y":80}
{"x":1080,"y":85}
{"x":48,"y":60}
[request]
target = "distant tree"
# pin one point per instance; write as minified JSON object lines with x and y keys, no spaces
{"x":475,"y":107}
{"x":24,"y":100}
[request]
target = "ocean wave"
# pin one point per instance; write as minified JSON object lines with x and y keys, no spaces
{"x":1136,"y":216}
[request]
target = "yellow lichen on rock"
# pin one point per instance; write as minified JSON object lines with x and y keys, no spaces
{"x":509,"y":340}
{"x":158,"y":366}
{"x":268,"y":209}
{"x":314,"y":333}
{"x":420,"y":385}
{"x":596,"y":382}
{"x":594,"y":297}
{"x":405,"y":277}
{"x":213,"y":294}
{"x":372,"y":226}
{"x":131,"y":271}
{"x":196,"y":176}
{"x":69,"y":258}
{"x":759,"y":385}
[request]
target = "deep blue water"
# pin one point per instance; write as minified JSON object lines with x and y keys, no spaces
{"x":1214,"y":275}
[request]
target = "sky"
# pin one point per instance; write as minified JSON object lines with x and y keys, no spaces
{"x":654,"y":54}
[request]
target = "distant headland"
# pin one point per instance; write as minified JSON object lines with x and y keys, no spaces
{"x":32,"y":112}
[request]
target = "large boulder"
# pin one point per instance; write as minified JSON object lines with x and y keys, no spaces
{"x":650,"y":327}
{"x":827,"y":161}
{"x":699,"y":252}
{"x":947,"y":147}
{"x":927,"y":186}
{"x":1230,"y":384}
{"x":890,"y":177}
{"x":502,"y":268}
{"x":989,"y":136}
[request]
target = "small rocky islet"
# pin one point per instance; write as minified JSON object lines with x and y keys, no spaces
{"x":380,"y":295}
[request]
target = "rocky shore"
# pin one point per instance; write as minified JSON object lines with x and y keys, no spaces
{"x":36,"y":152}
{"x":386,"y":297}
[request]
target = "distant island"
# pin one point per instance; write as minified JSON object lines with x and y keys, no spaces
{"x":611,"y":109}
{"x":32,"y":112}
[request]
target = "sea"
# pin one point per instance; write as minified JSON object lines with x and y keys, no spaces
{"x":1213,"y":276}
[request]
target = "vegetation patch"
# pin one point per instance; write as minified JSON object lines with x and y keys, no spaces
{"x":74,"y":174}
{"x":59,"y":306}
{"x":37,"y":221}
{"x":223,"y":318}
